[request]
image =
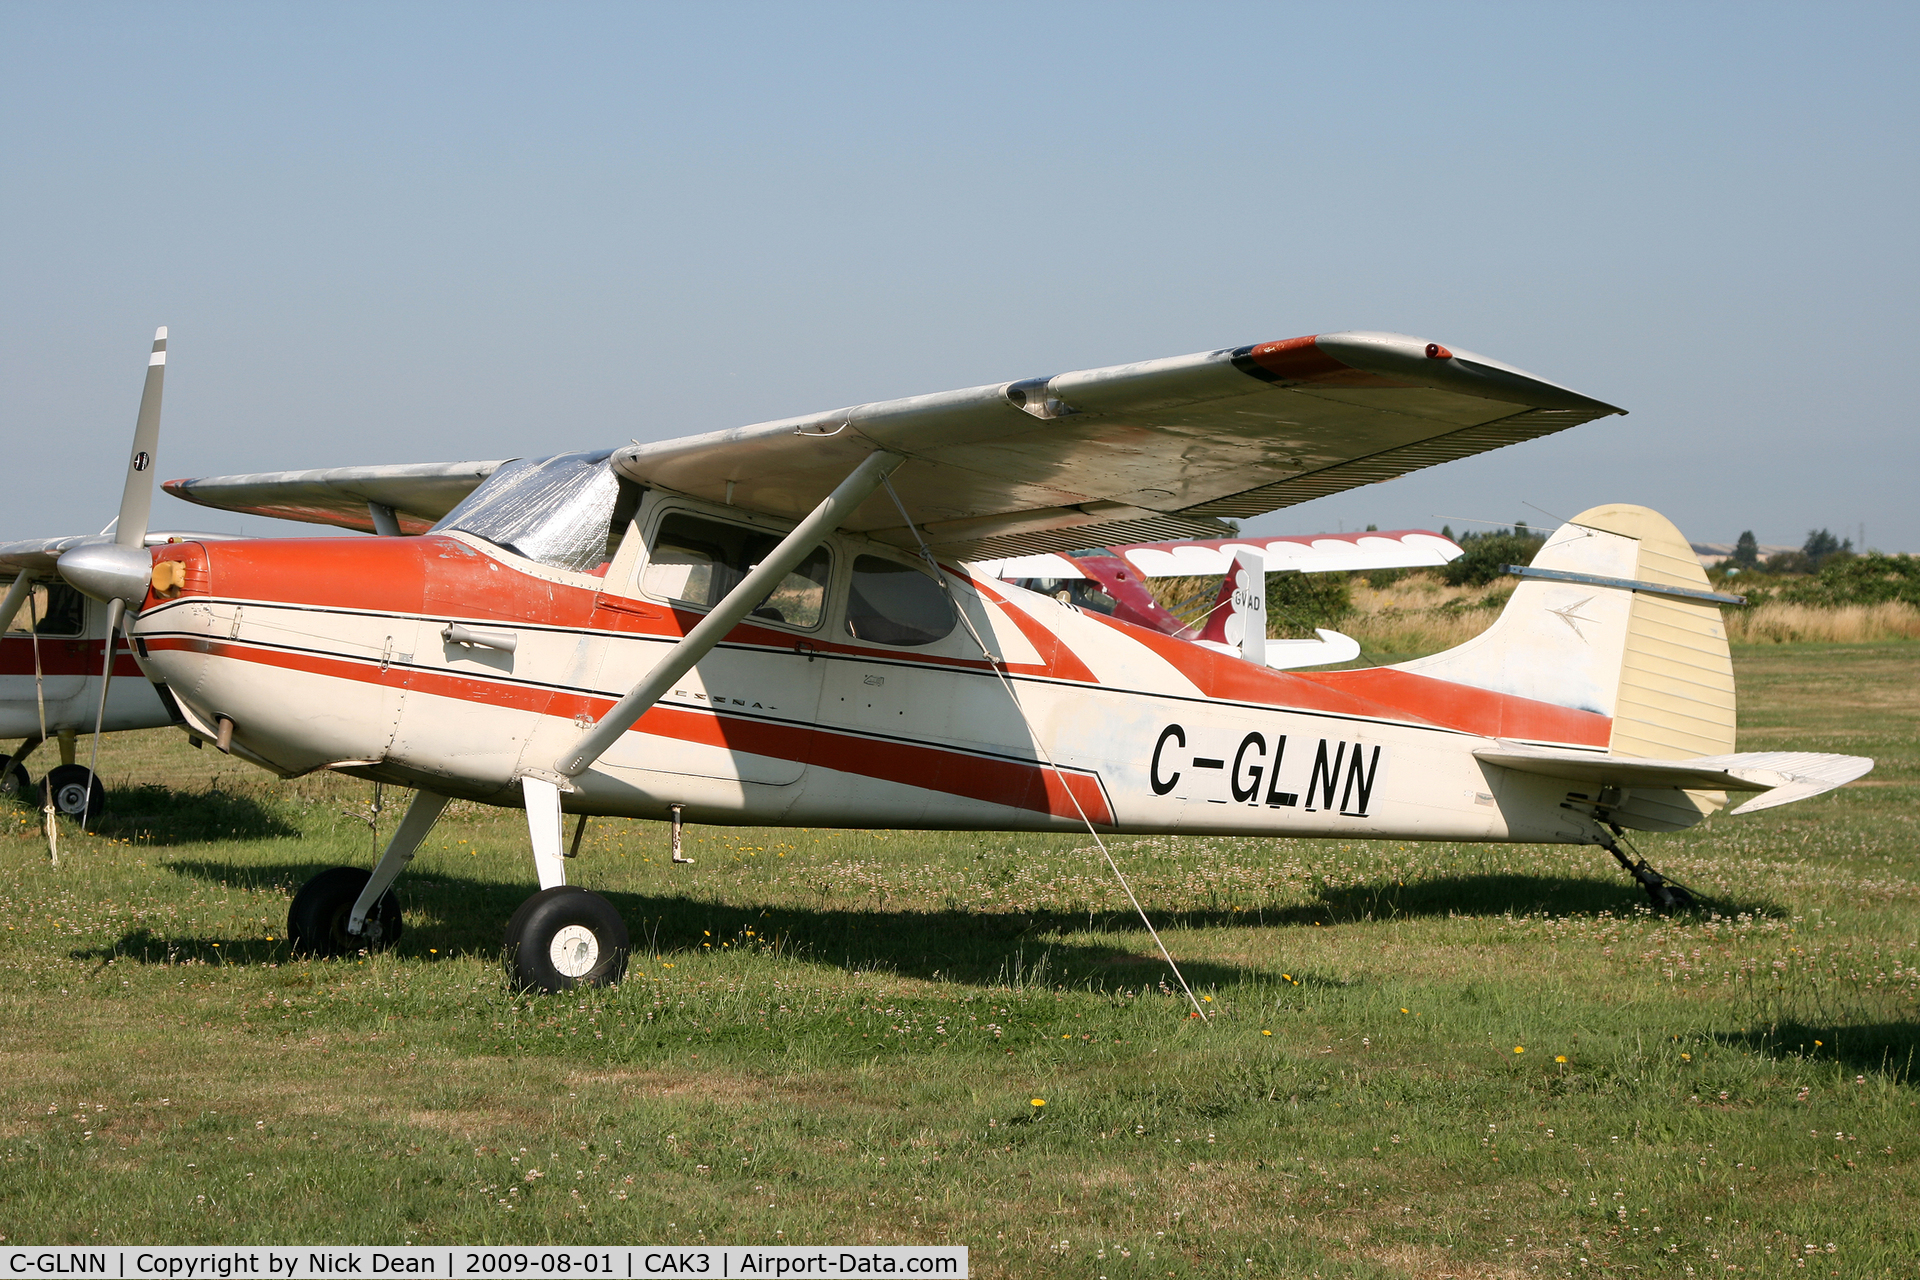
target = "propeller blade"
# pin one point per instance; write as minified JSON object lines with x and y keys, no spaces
{"x":121,"y":570}
{"x":136,"y":499}
{"x":116,"y":610}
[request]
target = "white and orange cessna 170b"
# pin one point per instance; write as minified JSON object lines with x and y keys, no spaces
{"x":777,"y":625}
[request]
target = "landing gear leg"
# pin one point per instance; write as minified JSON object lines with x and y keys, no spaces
{"x":562,"y":937}
{"x":1666,"y":895}
{"x":344,"y":909}
{"x":421,"y":815}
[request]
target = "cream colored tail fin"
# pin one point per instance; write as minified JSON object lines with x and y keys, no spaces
{"x":1594,"y":631}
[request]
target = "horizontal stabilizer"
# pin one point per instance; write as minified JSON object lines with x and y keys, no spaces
{"x":1785,"y":776}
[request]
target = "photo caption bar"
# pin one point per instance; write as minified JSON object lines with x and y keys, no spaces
{"x":477,"y":1262}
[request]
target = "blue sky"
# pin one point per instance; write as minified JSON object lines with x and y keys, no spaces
{"x":400,"y":233}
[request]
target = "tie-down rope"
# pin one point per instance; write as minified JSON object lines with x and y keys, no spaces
{"x":1040,"y":745}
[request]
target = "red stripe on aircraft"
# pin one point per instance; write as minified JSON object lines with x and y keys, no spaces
{"x":1009,"y":782}
{"x":1379,"y":693}
{"x":62,"y":656}
{"x":1055,"y":658}
{"x":1461,"y":706}
{"x":446,"y":577}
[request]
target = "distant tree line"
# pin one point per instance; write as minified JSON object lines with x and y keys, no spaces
{"x":1489,"y":552}
{"x":1820,"y":548}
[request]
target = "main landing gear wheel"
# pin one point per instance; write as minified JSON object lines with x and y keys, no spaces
{"x":15,"y":782}
{"x":74,"y":791}
{"x":317,"y":920}
{"x":565,"y":937}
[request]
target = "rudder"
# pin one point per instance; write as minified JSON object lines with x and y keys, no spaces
{"x":1656,"y":665}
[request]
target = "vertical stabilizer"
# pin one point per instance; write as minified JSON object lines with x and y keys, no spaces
{"x":1656,"y":664}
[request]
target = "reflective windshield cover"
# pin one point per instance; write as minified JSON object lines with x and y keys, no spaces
{"x":567,"y":511}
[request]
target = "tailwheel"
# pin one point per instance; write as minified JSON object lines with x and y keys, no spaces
{"x":565,"y":937}
{"x":317,"y":920}
{"x":74,"y":790}
{"x":15,"y":782}
{"x":1666,"y":895}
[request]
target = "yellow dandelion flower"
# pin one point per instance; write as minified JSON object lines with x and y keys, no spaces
{"x":1686,"y":1057}
{"x":1519,"y":1048}
{"x":1038,"y":1102}
{"x":1266,"y":1033}
{"x":1559,"y":1057}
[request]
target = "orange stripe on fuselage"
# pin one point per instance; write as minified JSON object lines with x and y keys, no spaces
{"x":444,"y":577}
{"x":1378,"y":693}
{"x":1013,"y":783}
{"x":62,"y":656}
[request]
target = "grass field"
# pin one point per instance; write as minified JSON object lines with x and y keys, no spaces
{"x":1421,"y":1060}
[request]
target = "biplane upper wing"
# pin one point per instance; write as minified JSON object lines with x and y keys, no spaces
{"x":419,"y":493}
{"x":1131,"y":453}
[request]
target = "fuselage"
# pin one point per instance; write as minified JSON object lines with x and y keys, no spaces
{"x":55,"y":673}
{"x":333,"y":654}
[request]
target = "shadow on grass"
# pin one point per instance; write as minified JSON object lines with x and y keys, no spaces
{"x":464,"y":917}
{"x":1490,"y":895}
{"x":150,"y":814}
{"x":453,"y":917}
{"x":1888,"y":1048}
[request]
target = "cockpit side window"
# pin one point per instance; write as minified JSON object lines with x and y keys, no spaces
{"x":894,"y":603}
{"x":54,"y":609}
{"x":569,"y":511}
{"x":695,"y":561}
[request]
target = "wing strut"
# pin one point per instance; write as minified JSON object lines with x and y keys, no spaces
{"x":739,"y":602}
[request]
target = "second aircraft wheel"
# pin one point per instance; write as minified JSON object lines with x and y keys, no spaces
{"x":15,"y":782}
{"x":75,"y":791}
{"x":565,"y":937}
{"x":317,"y":920}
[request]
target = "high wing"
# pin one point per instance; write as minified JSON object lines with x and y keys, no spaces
{"x":418,"y":493}
{"x":1131,"y":453}
{"x":1139,"y":452}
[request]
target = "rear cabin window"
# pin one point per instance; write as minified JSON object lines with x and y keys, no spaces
{"x":54,"y":609}
{"x":695,"y":561}
{"x":894,"y":603}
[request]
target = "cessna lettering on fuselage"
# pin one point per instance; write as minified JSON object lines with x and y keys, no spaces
{"x":560,"y":634}
{"x":1209,"y":778}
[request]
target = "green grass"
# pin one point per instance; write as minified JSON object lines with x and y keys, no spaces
{"x":836,"y":1037}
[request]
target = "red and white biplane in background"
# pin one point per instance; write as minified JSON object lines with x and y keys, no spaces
{"x":775,"y":625}
{"x":1112,"y":580}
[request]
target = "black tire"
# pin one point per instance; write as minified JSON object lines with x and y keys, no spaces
{"x":317,"y":920}
{"x":1671,"y":897}
{"x":15,"y":782}
{"x":565,"y":937}
{"x":75,"y":791}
